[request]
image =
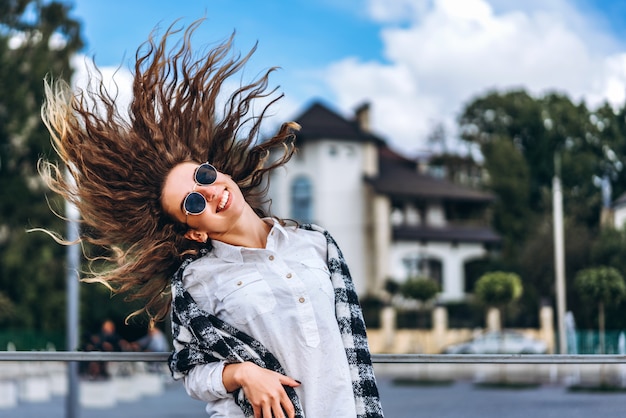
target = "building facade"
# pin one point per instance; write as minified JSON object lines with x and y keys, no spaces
{"x":391,"y":219}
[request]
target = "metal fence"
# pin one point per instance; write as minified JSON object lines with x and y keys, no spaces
{"x":80,"y":356}
{"x":73,"y":358}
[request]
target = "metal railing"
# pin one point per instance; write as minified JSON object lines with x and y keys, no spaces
{"x":80,"y":356}
{"x":72,"y":358}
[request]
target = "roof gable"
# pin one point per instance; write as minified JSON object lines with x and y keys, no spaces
{"x":398,"y":177}
{"x":319,"y":122}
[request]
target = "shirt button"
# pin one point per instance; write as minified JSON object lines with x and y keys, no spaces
{"x":301,"y":300}
{"x":289,"y":275}
{"x":271,"y":257}
{"x":239,"y":283}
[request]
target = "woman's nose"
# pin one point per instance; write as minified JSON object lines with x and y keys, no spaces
{"x":208,"y":191}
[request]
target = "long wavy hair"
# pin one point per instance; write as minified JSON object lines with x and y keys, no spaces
{"x":117,"y":163}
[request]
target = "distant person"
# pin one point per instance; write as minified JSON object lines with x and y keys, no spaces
{"x":266,"y":321}
{"x":105,"y":340}
{"x":109,"y":339}
{"x":153,"y":341}
{"x":156,"y":342}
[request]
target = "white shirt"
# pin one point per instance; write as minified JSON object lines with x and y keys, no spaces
{"x":283,"y":297}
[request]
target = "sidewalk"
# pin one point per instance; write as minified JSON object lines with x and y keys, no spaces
{"x":460,"y":399}
{"x":173,"y":402}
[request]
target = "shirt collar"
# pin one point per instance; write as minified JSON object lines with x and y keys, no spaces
{"x":275,"y":239}
{"x":226,"y":252}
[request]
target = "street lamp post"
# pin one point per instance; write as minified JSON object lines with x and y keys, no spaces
{"x":73,"y":266}
{"x":559,"y":254}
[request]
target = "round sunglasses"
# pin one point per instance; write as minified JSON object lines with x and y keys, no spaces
{"x":195,"y":203}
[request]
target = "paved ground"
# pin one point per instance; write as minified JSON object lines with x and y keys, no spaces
{"x":172,"y":403}
{"x":455,"y":400}
{"x":466,"y":400}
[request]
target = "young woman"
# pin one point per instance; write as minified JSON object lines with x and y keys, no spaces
{"x":266,"y":322}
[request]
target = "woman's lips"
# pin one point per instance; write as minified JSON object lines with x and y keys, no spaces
{"x":224,"y":201}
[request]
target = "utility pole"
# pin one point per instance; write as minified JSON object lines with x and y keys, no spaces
{"x":72,"y":278}
{"x":559,"y":253}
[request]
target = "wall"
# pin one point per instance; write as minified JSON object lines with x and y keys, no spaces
{"x":389,"y":340}
{"x":453,"y":259}
{"x":335,"y":169}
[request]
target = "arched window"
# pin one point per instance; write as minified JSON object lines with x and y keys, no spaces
{"x":423,"y":265}
{"x":302,"y":199}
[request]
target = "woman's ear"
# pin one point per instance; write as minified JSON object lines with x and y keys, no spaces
{"x":195,"y":235}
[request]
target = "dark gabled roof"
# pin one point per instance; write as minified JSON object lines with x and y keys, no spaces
{"x":319,"y":122}
{"x":446,"y":234}
{"x":398,"y":177}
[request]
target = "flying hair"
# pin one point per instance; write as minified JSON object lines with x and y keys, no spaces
{"x":115,"y":161}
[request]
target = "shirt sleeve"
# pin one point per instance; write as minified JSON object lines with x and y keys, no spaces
{"x":204,"y":382}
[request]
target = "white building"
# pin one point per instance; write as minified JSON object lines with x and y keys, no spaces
{"x":390,"y":220}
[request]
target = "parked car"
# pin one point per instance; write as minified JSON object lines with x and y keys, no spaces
{"x":495,"y":342}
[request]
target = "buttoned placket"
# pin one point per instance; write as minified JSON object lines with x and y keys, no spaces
{"x":304,"y":307}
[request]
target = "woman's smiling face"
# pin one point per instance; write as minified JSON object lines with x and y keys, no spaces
{"x":224,"y":201}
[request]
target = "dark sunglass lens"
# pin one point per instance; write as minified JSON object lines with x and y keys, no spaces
{"x":206,"y":174}
{"x":194,"y":203}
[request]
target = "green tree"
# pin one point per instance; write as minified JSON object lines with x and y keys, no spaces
{"x":422,"y":289}
{"x":591,"y":145}
{"x":37,"y":39}
{"x":509,"y":179}
{"x":602,"y":286}
{"x":498,"y":289}
{"x":519,"y":136}
{"x":609,"y":249}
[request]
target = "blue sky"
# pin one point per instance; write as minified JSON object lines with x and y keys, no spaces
{"x":416,"y":61}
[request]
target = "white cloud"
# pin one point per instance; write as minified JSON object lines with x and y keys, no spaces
{"x":117,"y":81}
{"x":442,"y":53}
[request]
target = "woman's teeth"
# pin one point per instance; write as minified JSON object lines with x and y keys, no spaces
{"x":224,"y":200}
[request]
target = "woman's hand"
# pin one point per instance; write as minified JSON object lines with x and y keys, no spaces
{"x":263,"y":388}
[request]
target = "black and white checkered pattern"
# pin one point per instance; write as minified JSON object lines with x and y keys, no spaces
{"x":201,"y":338}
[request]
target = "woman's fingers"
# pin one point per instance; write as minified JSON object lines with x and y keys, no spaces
{"x":274,"y":407}
{"x":264,"y":389}
{"x":277,"y":409}
{"x":287,"y":406}
{"x":267,"y":412}
{"x":288,"y":381}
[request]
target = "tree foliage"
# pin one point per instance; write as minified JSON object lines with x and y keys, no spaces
{"x":600,"y":285}
{"x":603,"y":286}
{"x":520,"y":137}
{"x":37,"y":39}
{"x":590,"y":144}
{"x":422,"y":289}
{"x":498,"y":288}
